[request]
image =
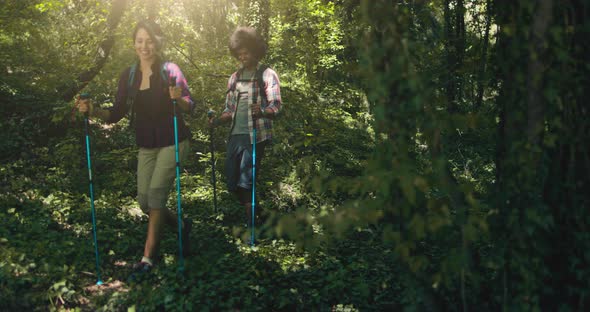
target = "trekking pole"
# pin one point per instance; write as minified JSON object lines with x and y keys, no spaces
{"x":253,"y":186}
{"x":178,"y":199}
{"x":85,"y":96}
{"x":212,"y":147}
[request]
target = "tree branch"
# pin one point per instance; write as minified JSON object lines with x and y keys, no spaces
{"x":103,"y":51}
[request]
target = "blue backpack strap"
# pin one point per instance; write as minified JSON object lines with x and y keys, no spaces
{"x":131,"y":93}
{"x":233,"y":85}
{"x":132,"y":75}
{"x":164,"y":74}
{"x":260,"y":81}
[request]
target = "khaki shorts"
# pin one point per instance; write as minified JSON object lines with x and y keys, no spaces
{"x":156,"y":173}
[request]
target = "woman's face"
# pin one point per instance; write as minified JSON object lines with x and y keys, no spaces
{"x":145,"y":47}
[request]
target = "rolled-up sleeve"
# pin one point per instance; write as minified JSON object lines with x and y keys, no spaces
{"x":273,"y":90}
{"x":174,"y":71}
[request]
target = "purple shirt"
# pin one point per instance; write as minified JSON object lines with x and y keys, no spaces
{"x":153,"y":108}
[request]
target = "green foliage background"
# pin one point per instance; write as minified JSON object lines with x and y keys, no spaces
{"x":431,"y":155}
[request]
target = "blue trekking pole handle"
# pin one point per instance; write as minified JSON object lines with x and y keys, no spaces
{"x":85,"y":96}
{"x":212,"y":147}
{"x":253,"y":187}
{"x":178,"y":198}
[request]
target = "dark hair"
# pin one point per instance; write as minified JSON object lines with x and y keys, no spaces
{"x":154,"y":30}
{"x":247,"y":37}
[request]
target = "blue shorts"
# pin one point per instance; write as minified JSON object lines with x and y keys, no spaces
{"x":238,"y":161}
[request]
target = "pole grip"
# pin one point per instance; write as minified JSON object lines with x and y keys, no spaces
{"x":84,"y":96}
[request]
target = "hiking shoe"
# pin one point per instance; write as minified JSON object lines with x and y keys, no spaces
{"x":186,"y":240}
{"x":142,"y":267}
{"x":140,"y":271}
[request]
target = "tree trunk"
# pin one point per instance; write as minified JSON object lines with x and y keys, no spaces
{"x":484,"y":57}
{"x":388,"y":73}
{"x":455,"y":51}
{"x":265,"y":19}
{"x":536,"y":70}
{"x":450,"y":87}
{"x":508,"y":62}
{"x":152,"y":9}
{"x":459,"y":50}
{"x":568,"y":164}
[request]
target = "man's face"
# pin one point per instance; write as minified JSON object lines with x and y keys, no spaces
{"x":246,"y":58}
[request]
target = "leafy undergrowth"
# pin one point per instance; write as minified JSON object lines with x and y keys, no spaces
{"x":48,"y":259}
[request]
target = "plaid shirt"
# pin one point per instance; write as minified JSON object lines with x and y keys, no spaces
{"x":272,"y":101}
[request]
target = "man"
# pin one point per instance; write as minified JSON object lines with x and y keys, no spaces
{"x":252,"y":101}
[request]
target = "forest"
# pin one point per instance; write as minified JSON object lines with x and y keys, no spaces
{"x":428,"y":156}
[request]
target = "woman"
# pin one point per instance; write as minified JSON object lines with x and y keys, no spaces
{"x":145,"y":92}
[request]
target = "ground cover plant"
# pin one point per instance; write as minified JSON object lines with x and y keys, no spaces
{"x":431,"y":156}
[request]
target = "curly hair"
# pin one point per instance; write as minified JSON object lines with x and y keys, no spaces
{"x":247,"y":37}
{"x":154,"y":30}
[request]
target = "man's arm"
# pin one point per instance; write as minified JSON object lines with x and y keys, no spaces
{"x":273,"y":93}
